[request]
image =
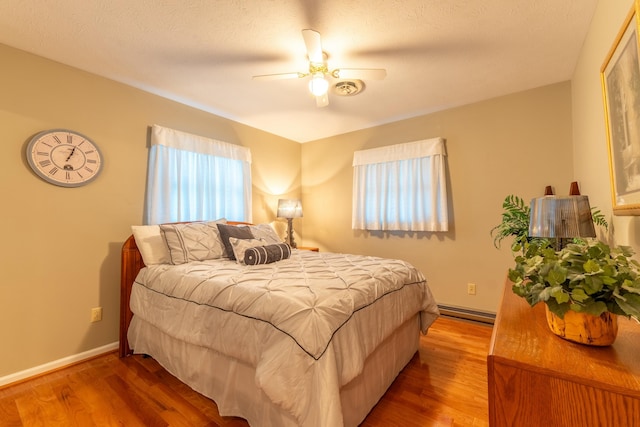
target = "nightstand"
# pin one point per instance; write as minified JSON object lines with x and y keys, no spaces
{"x":308,"y":248}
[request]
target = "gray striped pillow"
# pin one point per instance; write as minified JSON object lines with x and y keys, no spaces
{"x":267,"y":254}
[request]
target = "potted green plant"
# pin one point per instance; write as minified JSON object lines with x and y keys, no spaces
{"x":586,"y":277}
{"x":515,"y":223}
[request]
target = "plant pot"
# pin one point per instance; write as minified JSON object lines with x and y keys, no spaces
{"x":584,"y":328}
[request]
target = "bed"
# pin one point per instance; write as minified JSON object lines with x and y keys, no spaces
{"x":310,"y":339}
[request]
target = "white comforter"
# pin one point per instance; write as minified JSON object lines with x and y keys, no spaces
{"x":283,"y":318}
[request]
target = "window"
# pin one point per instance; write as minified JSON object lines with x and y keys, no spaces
{"x":195,"y":178}
{"x":401,"y":187}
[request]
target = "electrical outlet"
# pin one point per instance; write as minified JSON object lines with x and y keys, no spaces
{"x":96,"y":314}
{"x":471,"y":288}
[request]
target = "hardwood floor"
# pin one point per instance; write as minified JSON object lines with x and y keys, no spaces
{"x":445,"y":384}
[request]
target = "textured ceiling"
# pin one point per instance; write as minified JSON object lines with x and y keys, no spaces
{"x":438,"y":53}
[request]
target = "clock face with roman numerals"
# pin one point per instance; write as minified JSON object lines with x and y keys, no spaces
{"x":64,"y":157}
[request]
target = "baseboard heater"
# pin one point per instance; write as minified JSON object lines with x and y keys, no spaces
{"x":467,"y":314}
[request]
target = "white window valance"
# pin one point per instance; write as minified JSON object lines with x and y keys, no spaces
{"x":406,"y":151}
{"x":198,"y":144}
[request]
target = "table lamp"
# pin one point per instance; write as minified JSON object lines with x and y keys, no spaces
{"x":561,"y":217}
{"x":289,"y":209}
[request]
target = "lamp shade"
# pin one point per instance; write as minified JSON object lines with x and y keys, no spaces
{"x":561,"y":217}
{"x":289,"y":208}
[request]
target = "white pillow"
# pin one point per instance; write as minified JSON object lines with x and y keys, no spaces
{"x":266,"y":232}
{"x":151,"y":245}
{"x":241,"y":245}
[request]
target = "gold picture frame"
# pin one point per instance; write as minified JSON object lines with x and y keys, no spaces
{"x":620,"y":78}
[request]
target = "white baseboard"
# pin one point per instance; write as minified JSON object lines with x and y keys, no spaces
{"x":60,"y":363}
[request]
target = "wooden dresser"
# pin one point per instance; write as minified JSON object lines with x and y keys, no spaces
{"x":538,"y":379}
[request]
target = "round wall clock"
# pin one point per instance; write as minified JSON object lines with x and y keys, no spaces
{"x":64,"y":157}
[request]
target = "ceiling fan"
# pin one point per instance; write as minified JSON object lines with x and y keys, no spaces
{"x":319,"y":70}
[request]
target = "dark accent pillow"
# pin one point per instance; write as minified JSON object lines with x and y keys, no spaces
{"x":239,"y":232}
{"x":267,"y":254}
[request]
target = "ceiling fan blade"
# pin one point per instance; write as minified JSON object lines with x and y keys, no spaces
{"x":314,"y":45}
{"x":279,"y":76}
{"x":322,"y":100}
{"x":360,"y":73}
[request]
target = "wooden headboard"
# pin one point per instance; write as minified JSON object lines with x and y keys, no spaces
{"x":131,"y":264}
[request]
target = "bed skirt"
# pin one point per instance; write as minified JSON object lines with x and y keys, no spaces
{"x":231,"y":383}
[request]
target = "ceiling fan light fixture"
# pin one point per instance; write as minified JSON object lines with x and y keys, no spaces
{"x":319,"y":73}
{"x":318,"y":85}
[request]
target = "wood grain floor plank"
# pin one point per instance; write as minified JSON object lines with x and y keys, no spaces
{"x":9,"y":414}
{"x":78,"y":411}
{"x":42,"y":407}
{"x":444,"y":384}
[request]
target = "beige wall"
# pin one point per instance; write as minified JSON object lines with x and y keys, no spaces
{"x":590,"y":140}
{"x":515,"y":144}
{"x":61,"y":246}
